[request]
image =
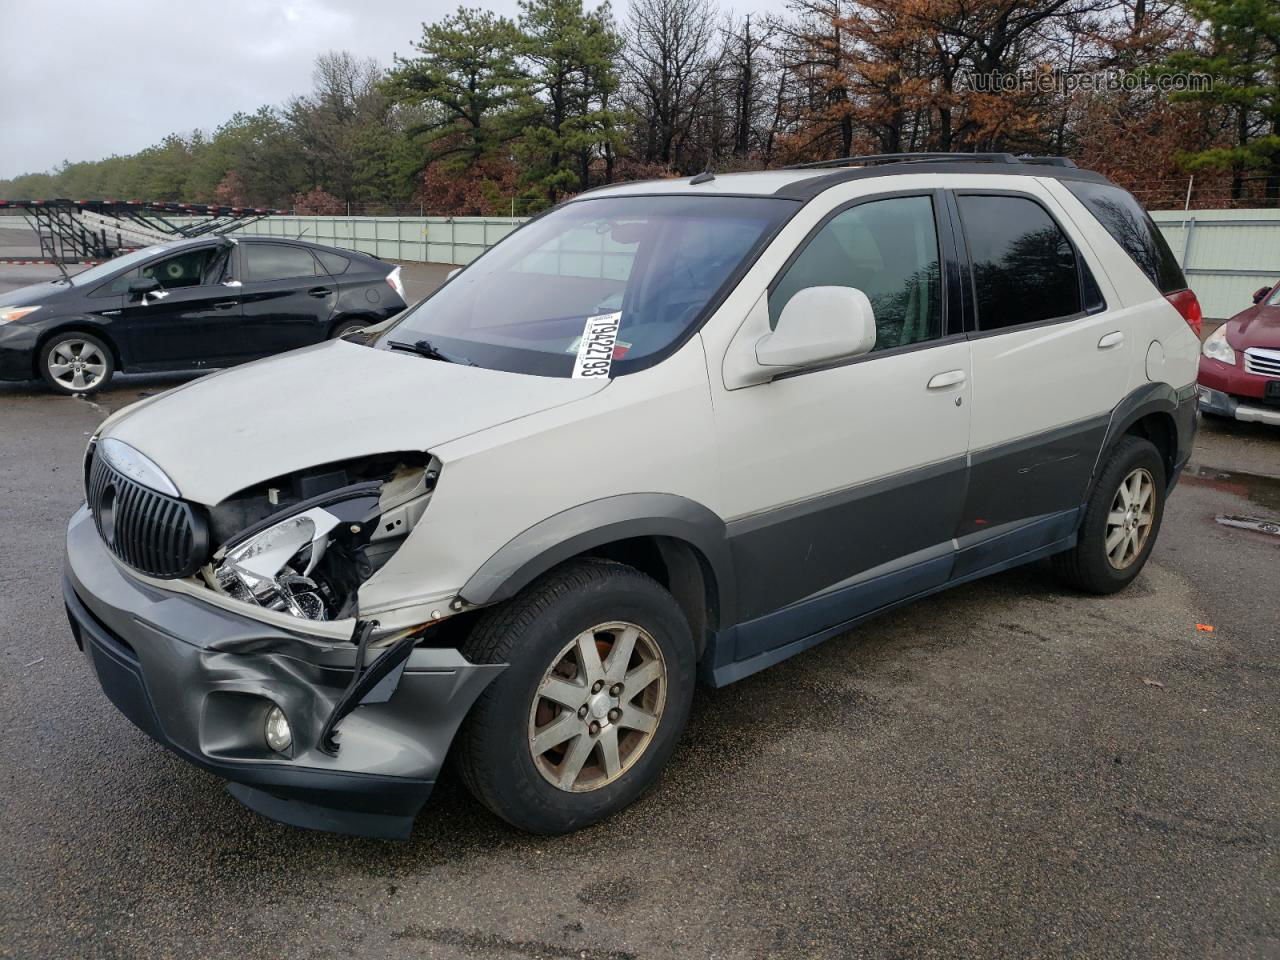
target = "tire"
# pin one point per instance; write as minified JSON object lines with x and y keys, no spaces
{"x":345,"y":327}
{"x":1100,"y":563}
{"x":539,"y":631}
{"x":75,"y":362}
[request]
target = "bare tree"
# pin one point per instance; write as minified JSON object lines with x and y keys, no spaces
{"x":344,"y":106}
{"x":671,"y":53}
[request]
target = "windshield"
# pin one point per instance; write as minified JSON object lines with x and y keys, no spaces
{"x":595,"y":288}
{"x":109,"y":268}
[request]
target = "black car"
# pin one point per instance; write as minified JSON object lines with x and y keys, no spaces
{"x":190,"y":304}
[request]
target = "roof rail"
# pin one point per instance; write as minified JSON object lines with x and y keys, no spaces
{"x":1049,"y":161}
{"x":877,"y":158}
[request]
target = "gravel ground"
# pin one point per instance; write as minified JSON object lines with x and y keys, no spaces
{"x":1008,"y":769}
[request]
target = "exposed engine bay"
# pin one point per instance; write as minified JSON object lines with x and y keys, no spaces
{"x":303,"y":544}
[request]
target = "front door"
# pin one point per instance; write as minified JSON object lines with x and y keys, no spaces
{"x":191,"y":321}
{"x":844,"y":484}
{"x":287,"y":297}
{"x":1050,"y":361}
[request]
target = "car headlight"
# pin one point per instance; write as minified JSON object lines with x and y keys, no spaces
{"x":272,"y":568}
{"x":1217,"y":348}
{"x":9,"y":314}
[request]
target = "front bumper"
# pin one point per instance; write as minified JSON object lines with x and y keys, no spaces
{"x":18,"y":351}
{"x":199,"y":680}
{"x":1222,"y":404}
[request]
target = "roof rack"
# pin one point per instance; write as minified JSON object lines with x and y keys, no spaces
{"x":878,"y":158}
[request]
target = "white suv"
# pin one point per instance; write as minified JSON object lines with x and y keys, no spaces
{"x":667,"y":430}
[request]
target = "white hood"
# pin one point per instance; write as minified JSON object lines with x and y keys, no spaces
{"x":335,"y":401}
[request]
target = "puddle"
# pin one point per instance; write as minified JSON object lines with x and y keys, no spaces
{"x":1264,"y":491}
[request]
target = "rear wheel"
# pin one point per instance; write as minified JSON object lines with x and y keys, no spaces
{"x":597,"y":690}
{"x":1121,"y":520}
{"x":76,"y":362}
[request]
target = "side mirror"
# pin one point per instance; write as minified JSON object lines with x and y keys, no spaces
{"x":1260,"y":293}
{"x":142,"y":286}
{"x":452,"y":273}
{"x":818,"y":325}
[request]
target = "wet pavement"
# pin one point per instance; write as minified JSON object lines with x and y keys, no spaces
{"x":1007,"y":769}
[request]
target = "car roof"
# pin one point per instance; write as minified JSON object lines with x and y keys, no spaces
{"x":182,"y":243}
{"x":804,"y":183}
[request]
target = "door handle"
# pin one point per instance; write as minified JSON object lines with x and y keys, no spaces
{"x":1112,"y":339}
{"x":225,"y":304}
{"x":948,"y":379}
{"x":319,"y":292}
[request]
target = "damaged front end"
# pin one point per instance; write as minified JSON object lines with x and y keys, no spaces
{"x":303,"y":544}
{"x":342,"y":724}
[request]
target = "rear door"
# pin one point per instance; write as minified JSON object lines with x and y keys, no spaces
{"x":1050,"y":361}
{"x":287,"y":298}
{"x":191,"y":322}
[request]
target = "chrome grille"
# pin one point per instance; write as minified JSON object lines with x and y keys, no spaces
{"x":1265,"y":363}
{"x":156,"y":534}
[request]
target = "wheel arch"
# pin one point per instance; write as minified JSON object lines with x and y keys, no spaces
{"x":678,"y":542}
{"x":1148,"y":412}
{"x":77,"y":326}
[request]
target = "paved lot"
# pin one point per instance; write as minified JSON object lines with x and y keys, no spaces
{"x":1009,"y":769}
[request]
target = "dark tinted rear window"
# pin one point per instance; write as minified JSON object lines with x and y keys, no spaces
{"x":1024,"y":267}
{"x":276,"y":261}
{"x":1130,"y":226}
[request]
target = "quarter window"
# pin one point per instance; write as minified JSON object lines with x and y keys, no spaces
{"x":1131,"y":227}
{"x":888,"y":249}
{"x":334,"y":263}
{"x":275,"y":261}
{"x":1024,"y":267}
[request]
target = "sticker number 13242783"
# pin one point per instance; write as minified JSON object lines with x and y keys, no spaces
{"x":595,"y":350}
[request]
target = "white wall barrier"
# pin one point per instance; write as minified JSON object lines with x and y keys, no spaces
{"x":1226,"y":254}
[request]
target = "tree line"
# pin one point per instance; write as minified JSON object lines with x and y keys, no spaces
{"x":493,"y":115}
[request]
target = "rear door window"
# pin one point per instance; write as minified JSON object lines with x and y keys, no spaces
{"x":1024,"y":267}
{"x":277,"y":261}
{"x":1130,"y":226}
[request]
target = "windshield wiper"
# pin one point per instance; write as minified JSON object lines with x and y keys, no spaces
{"x":425,"y":348}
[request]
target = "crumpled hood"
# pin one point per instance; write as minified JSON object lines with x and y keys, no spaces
{"x":334,"y":401}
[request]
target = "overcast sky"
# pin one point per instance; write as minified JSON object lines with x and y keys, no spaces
{"x":83,"y":79}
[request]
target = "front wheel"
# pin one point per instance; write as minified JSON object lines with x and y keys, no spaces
{"x":1121,"y":520}
{"x":597,"y":690}
{"x":76,"y":362}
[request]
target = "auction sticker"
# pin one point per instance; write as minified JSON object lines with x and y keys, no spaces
{"x":595,"y":350}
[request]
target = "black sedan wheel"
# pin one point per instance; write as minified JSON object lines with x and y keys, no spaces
{"x":76,"y":363}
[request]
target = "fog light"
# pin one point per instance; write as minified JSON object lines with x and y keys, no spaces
{"x":279,"y":736}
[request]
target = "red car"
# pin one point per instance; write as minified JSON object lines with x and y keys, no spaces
{"x":1240,"y":363}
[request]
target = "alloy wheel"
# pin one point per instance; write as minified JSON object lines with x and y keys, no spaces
{"x":1131,"y":517}
{"x":597,"y":707}
{"x":77,"y":364}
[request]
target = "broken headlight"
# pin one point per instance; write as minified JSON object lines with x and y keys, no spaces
{"x":272,"y":569}
{"x":307,"y":564}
